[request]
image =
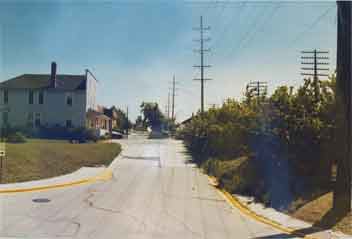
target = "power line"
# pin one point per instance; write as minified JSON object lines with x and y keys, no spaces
{"x":229,"y":24}
{"x":261,"y":26}
{"x":250,"y":30}
{"x":314,"y":23}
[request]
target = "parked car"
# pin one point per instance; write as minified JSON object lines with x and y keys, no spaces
{"x":116,"y":135}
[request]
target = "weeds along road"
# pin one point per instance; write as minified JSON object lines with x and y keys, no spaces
{"x":155,"y":193}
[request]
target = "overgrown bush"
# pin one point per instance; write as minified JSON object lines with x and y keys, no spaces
{"x":73,"y":134}
{"x":83,"y":135}
{"x":105,"y":137}
{"x":287,"y":137}
{"x":54,"y":132}
{"x":16,"y":137}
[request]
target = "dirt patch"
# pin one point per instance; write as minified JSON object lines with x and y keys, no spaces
{"x":318,"y":212}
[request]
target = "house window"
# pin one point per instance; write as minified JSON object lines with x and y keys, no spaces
{"x":6,"y":96}
{"x":5,"y":118}
{"x":37,"y":122}
{"x":68,"y":123}
{"x":30,"y":119}
{"x":41,"y":97}
{"x":30,"y":97}
{"x":69,"y":99}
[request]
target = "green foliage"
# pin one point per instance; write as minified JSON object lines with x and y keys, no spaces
{"x":16,"y":137}
{"x":285,"y":135}
{"x":152,"y":114}
{"x":139,"y":123}
{"x":105,"y":137}
{"x":82,"y":135}
{"x":122,"y":121}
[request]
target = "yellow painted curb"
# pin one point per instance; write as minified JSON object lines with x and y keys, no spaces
{"x":103,"y":176}
{"x":232,"y":200}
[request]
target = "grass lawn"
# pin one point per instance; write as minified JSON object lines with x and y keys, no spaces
{"x":318,"y":212}
{"x":38,"y":159}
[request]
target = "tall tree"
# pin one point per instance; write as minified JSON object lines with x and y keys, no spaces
{"x":152,"y":114}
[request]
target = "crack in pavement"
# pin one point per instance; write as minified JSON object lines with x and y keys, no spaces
{"x":116,"y":211}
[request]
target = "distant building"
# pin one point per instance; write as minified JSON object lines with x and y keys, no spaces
{"x":35,"y":100}
{"x":98,"y":121}
{"x":114,"y":114}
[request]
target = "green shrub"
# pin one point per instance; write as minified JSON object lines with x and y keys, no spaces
{"x":83,"y":135}
{"x":16,"y":137}
{"x":105,"y":137}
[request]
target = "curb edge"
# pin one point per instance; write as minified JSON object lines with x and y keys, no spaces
{"x":106,"y":175}
{"x":235,"y":202}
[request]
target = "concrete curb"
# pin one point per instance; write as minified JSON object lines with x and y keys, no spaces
{"x":103,"y":176}
{"x":235,"y":202}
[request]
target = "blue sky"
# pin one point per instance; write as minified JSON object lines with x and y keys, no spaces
{"x":135,"y":47}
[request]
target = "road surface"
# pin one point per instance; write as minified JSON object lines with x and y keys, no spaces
{"x":155,"y":193}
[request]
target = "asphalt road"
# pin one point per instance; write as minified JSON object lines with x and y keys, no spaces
{"x":155,"y":193}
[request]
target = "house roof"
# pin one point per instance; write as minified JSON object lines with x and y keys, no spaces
{"x":112,"y":112}
{"x":42,"y":81}
{"x":92,"y":114}
{"x":187,"y":120}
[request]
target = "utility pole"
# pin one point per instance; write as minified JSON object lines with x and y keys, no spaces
{"x":168,"y":105}
{"x":201,"y":30}
{"x":258,"y":88}
{"x":342,"y":190}
{"x":127,"y":120}
{"x":173,"y":98}
{"x":314,"y":69}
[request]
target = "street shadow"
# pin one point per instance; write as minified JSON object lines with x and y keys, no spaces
{"x":330,"y":219}
{"x":301,"y":233}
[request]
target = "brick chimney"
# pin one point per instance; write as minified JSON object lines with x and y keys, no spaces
{"x":53,"y":75}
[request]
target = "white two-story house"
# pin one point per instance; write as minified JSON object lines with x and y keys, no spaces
{"x":35,"y":100}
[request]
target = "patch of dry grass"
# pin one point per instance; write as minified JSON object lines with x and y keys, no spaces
{"x":318,"y":212}
{"x":38,"y":159}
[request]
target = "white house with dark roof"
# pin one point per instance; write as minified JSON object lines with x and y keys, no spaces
{"x":34,"y":100}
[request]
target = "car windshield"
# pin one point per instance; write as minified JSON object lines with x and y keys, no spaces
{"x":209,"y":119}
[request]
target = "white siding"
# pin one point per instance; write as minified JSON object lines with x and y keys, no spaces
{"x":53,"y":111}
{"x":91,"y":92}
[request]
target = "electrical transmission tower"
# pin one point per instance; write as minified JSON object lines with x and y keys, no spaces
{"x":316,"y":59}
{"x":257,"y":88}
{"x":202,"y":40}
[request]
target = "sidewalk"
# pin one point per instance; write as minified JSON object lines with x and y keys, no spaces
{"x":287,"y":221}
{"x":81,"y":176}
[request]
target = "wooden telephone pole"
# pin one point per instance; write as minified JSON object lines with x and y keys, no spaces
{"x":258,"y":88}
{"x":342,"y":190}
{"x":168,"y":105}
{"x":315,"y":60}
{"x":128,"y":125}
{"x":173,"y":99}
